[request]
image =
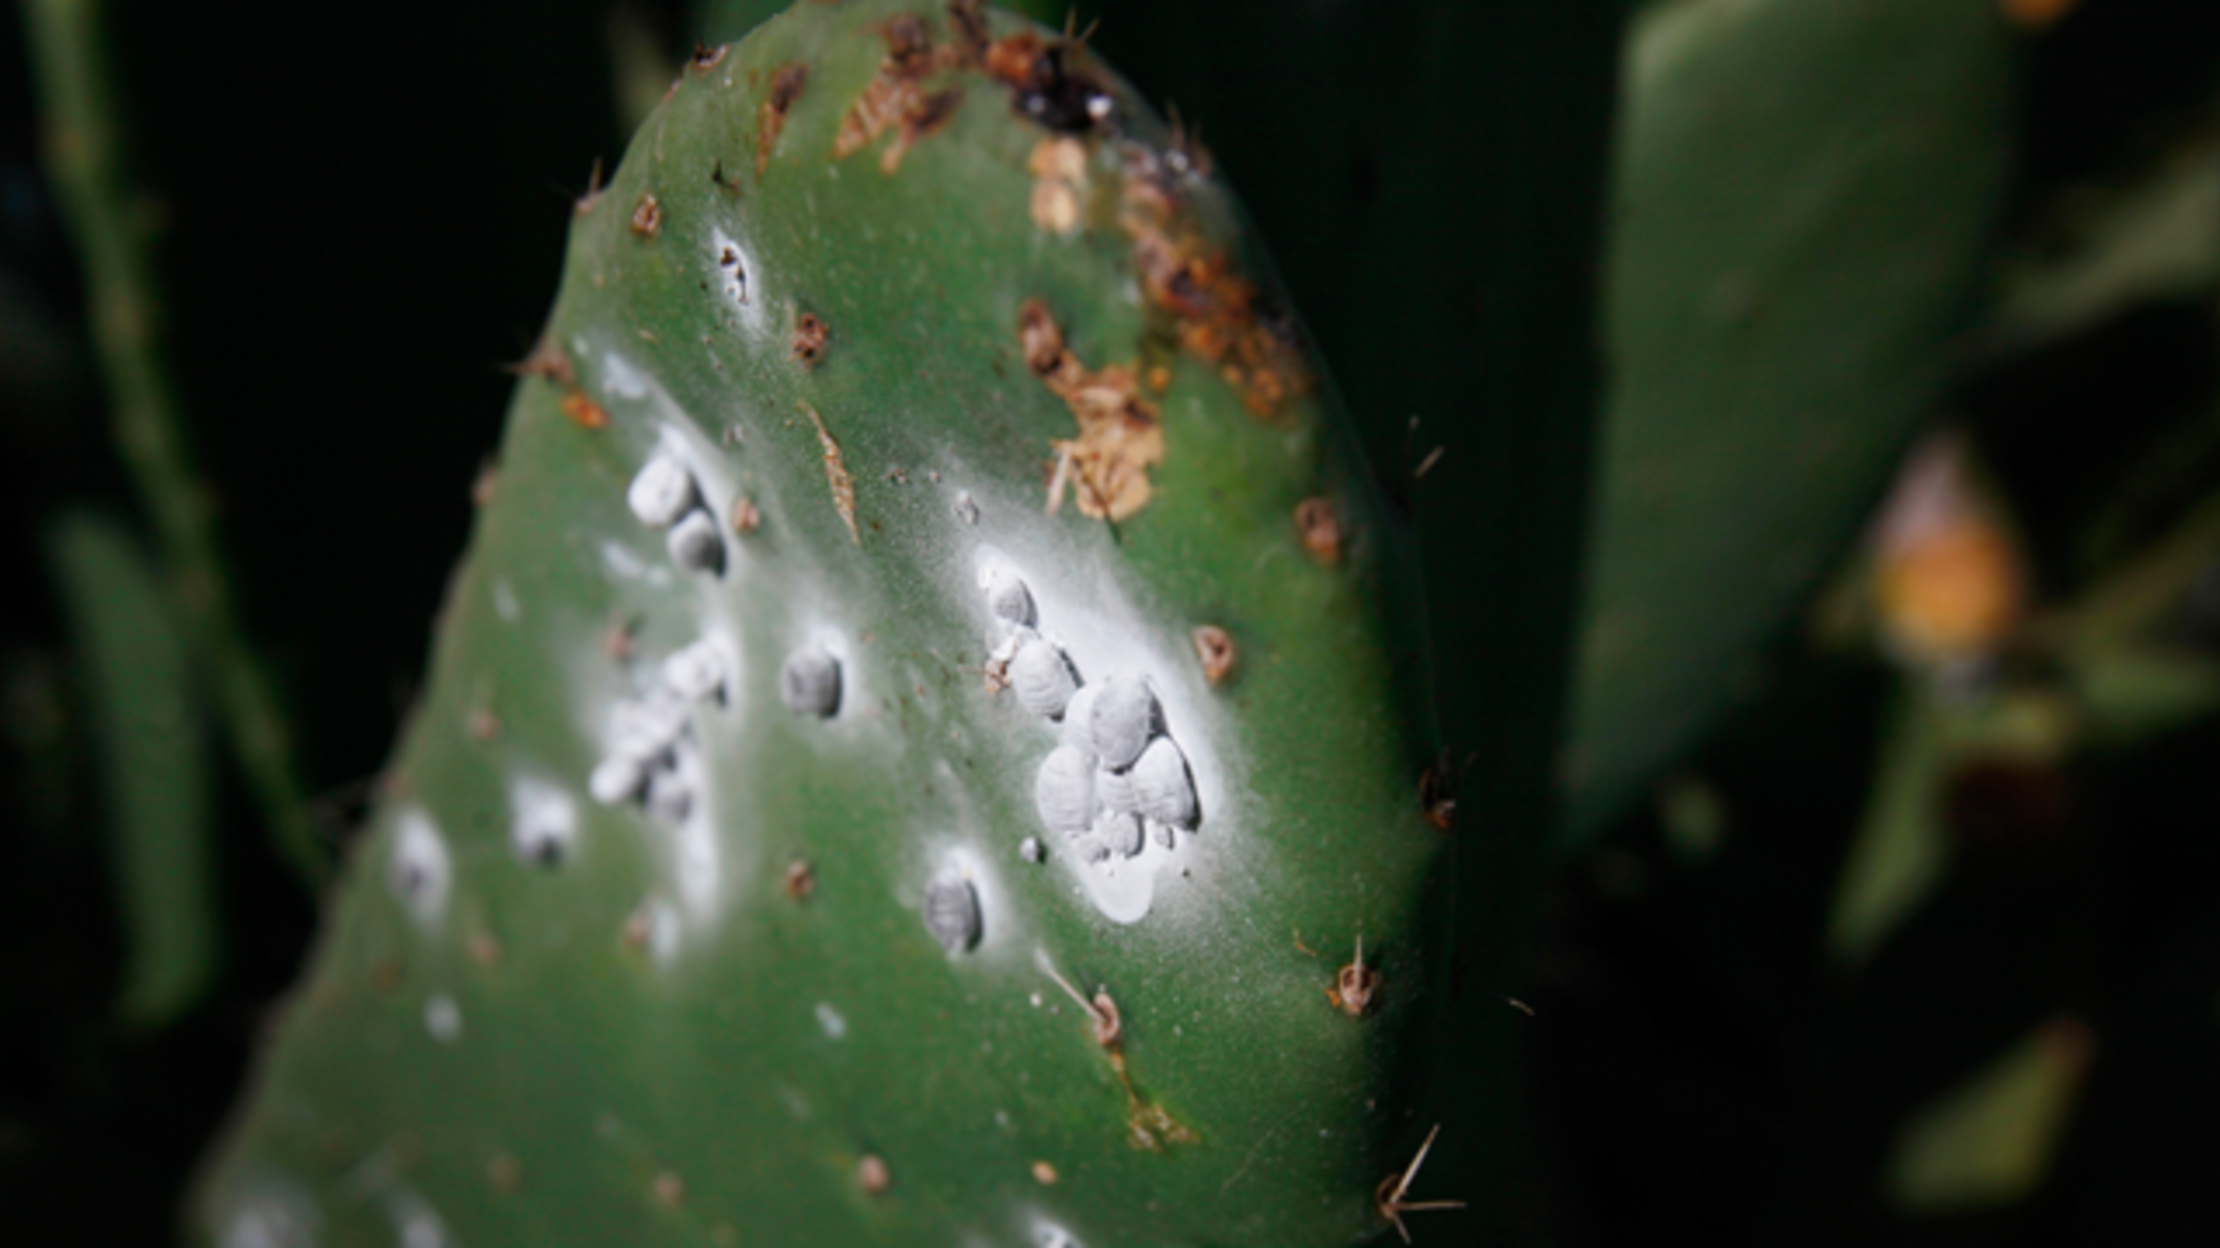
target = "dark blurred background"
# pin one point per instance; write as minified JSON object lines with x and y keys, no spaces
{"x":361,"y":216}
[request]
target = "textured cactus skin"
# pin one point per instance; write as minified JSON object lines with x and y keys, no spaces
{"x":656,"y":1040}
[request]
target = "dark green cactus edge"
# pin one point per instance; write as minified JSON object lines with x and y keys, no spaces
{"x":538,"y":1018}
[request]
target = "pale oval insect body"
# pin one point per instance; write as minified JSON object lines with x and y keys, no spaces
{"x":1124,"y":718}
{"x":695,"y":544}
{"x":1064,"y":790}
{"x":1163,"y":787}
{"x":661,"y":492}
{"x":809,"y":683}
{"x":1043,"y":677}
{"x":952,"y":912}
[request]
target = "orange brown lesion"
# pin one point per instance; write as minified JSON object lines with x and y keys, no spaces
{"x":1121,"y":434}
{"x":787,"y":82}
{"x":1217,"y":315}
{"x":896,"y":97}
{"x":1356,"y":987}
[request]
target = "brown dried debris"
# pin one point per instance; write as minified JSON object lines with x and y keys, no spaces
{"x":800,"y":881}
{"x":1121,"y":435}
{"x":583,"y":411}
{"x":707,"y":58}
{"x":787,"y":82}
{"x":896,"y":97}
{"x":647,"y":216}
{"x":1320,"y":527}
{"x":1049,"y":82}
{"x":836,"y":475}
{"x":1217,"y":315}
{"x":872,"y":1175}
{"x":1355,"y":986}
{"x":1214,"y":647}
{"x":1059,"y":169}
{"x":746,"y":518}
{"x":810,"y":334}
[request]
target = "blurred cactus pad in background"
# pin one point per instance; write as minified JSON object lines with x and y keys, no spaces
{"x":1626,"y":646}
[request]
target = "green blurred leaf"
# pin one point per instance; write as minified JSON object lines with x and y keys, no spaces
{"x":1804,"y":194}
{"x":154,"y":762}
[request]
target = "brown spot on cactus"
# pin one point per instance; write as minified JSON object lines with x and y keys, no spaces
{"x":670,"y":1190}
{"x":836,"y":475}
{"x":1217,"y":315}
{"x":1048,"y":84}
{"x":1059,"y":169}
{"x":1356,"y":986}
{"x":483,"y":485}
{"x":896,"y":95}
{"x":583,"y":411}
{"x":872,"y":1175}
{"x":1947,"y":575}
{"x":1044,"y":1173}
{"x":505,"y":1173}
{"x":787,"y":82}
{"x":1215,"y":650}
{"x":486,"y":951}
{"x":810,"y":335}
{"x":1320,"y":527}
{"x":707,"y":58}
{"x":549,"y":361}
{"x":1120,"y":435}
{"x":647,"y":216}
{"x":746,"y":518}
{"x":1388,"y":1200}
{"x":800,"y":881}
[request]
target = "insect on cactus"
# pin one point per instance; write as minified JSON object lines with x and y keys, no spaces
{"x":1014,"y":657}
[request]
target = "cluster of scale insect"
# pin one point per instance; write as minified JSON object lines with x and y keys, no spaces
{"x":1118,"y":777}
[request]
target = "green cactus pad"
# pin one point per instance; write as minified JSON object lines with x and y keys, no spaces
{"x":924,"y":573}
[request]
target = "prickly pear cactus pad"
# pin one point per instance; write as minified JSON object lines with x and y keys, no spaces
{"x":926,"y":744}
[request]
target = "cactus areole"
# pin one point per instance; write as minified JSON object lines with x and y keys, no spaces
{"x":822,"y":825}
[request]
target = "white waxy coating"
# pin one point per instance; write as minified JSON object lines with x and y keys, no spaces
{"x":1115,"y":789}
{"x":809,"y":682}
{"x":442,"y":1018}
{"x":1009,"y":599}
{"x":1122,"y":721}
{"x":1078,"y":726}
{"x":1091,"y":849}
{"x":1031,"y":850}
{"x":1163,"y":788}
{"x":1120,"y":832}
{"x":646,"y":727}
{"x":543,"y":822}
{"x":419,"y":871}
{"x":695,"y":672}
{"x":668,"y":797}
{"x":952,"y":912}
{"x":695,"y":544}
{"x":1043,"y":677}
{"x":661,"y":493}
{"x":1064,"y":791}
{"x":616,"y":779}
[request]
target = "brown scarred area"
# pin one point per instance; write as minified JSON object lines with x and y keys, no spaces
{"x":1217,"y":315}
{"x":787,"y":82}
{"x":1320,"y":527}
{"x":1356,"y":987}
{"x":1120,"y":437}
{"x":1215,"y":650}
{"x":1059,"y":169}
{"x":810,"y":336}
{"x":800,"y":880}
{"x":647,"y":216}
{"x":1050,"y":82}
{"x":896,"y":97}
{"x":836,"y":475}
{"x":745,"y":518}
{"x":707,"y":58}
{"x":584,"y":412}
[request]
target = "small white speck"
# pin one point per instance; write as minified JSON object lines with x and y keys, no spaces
{"x":966,"y":507}
{"x":1035,"y":998}
{"x":661,"y":492}
{"x":442,"y":1018}
{"x":829,"y":1018}
{"x":504,"y":601}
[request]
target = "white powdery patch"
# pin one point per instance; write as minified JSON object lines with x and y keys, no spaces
{"x":443,"y":1018}
{"x":1041,"y":1232}
{"x":619,"y":380}
{"x":418,"y":870}
{"x":735,"y":275}
{"x":415,"y":1223}
{"x":543,"y":821}
{"x":504,"y":601}
{"x":829,"y":1018}
{"x":1130,"y":760}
